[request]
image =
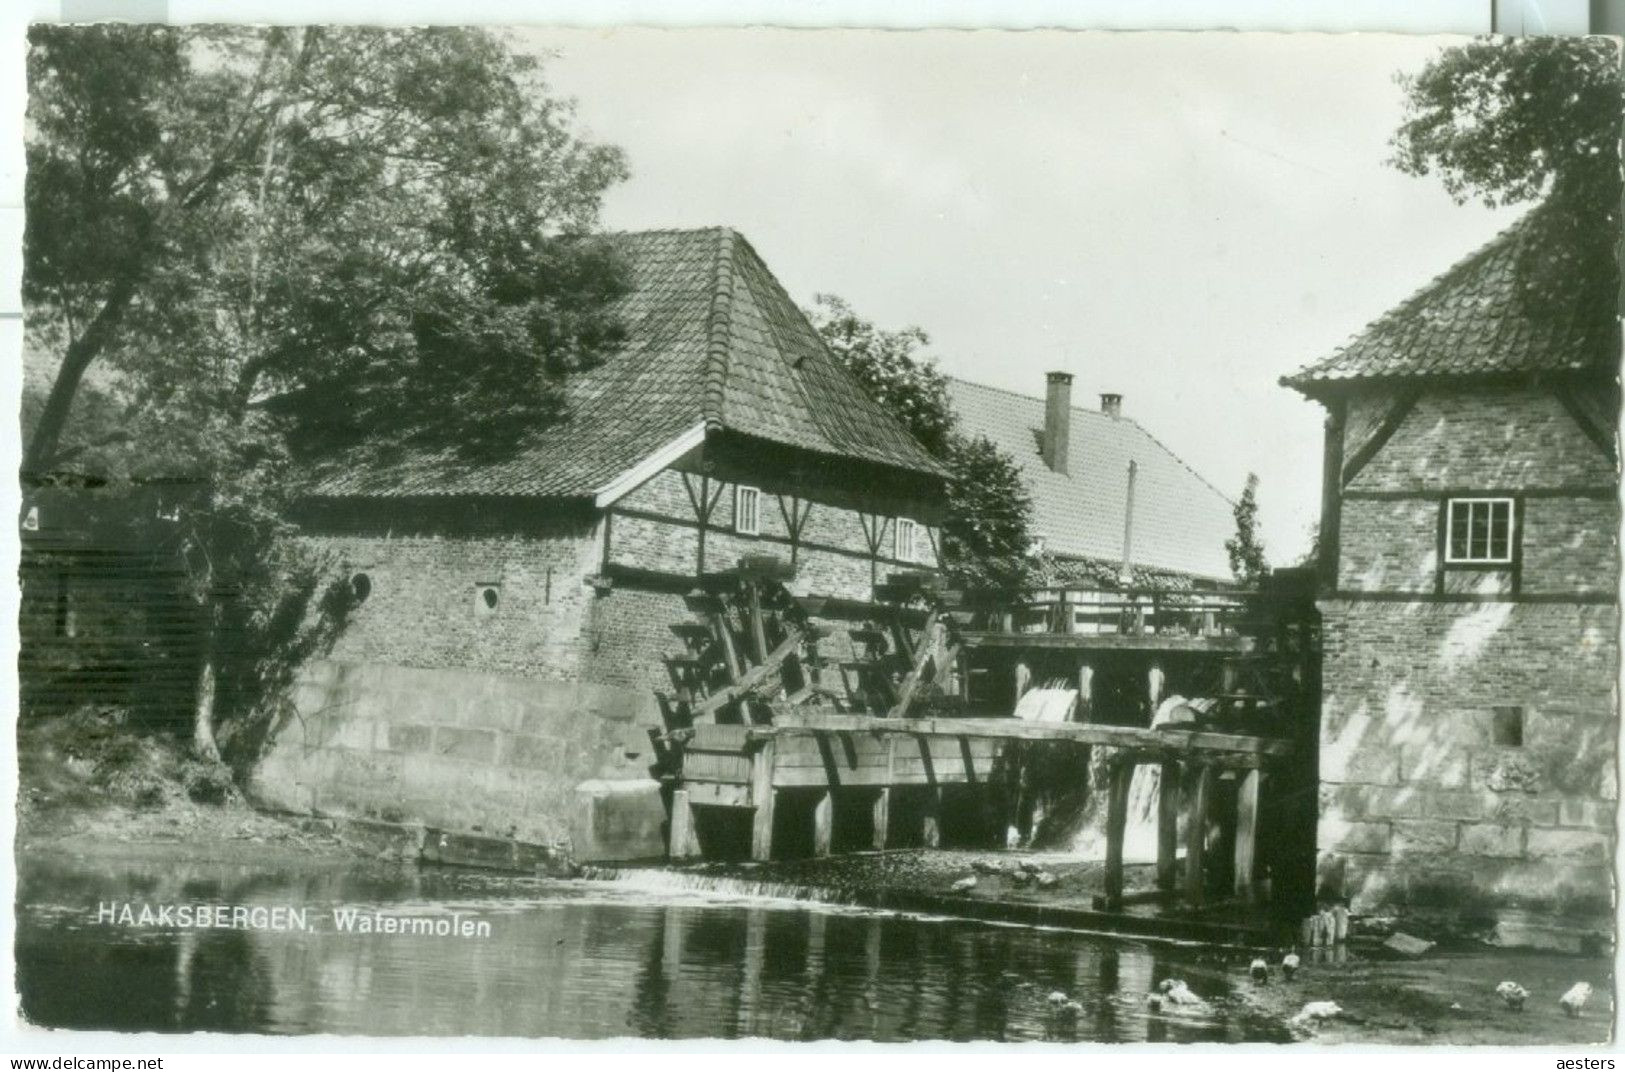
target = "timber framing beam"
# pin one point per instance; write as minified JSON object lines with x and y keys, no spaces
{"x":1602,"y":437}
{"x":1401,"y":408}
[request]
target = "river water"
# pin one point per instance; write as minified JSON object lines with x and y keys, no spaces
{"x":577,"y":959}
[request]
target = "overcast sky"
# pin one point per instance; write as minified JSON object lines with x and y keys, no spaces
{"x":1181,"y":218}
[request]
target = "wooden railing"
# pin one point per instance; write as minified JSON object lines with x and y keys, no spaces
{"x":1135,"y":612}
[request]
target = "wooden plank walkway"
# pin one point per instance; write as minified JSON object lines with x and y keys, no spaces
{"x":1169,"y":642}
{"x":1235,"y":747}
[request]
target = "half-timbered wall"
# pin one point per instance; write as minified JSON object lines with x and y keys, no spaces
{"x":1469,"y":716}
{"x":841,"y":537}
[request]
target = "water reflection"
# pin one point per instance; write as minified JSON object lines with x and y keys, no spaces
{"x":575,"y":960}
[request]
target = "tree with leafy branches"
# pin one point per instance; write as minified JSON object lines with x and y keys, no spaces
{"x":1245,"y":548}
{"x":892,"y":369}
{"x":986,"y":532}
{"x":1523,"y":120}
{"x":390,"y":230}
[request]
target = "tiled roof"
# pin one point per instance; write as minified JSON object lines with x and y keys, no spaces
{"x":1180,"y":520}
{"x":1470,"y":321}
{"x":711,"y":337}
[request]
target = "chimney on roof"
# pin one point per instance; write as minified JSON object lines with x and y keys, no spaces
{"x":1111,"y":405}
{"x":1057,"y":420}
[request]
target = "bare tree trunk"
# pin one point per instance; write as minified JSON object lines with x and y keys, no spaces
{"x":203,"y":721}
{"x":47,"y":435}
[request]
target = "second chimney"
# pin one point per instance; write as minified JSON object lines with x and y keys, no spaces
{"x":1111,"y":405}
{"x":1057,"y":420}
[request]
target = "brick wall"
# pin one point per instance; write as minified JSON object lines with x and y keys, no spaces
{"x":1388,"y":546}
{"x":425,"y":605}
{"x":627,"y":631}
{"x":1498,"y":437}
{"x":1468,"y":746}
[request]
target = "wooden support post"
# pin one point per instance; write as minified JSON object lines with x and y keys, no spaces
{"x":674,"y":923}
{"x":1156,"y":683}
{"x":758,"y":628}
{"x":1201,"y":789}
{"x":1024,"y":677}
{"x":931,"y":823}
{"x":823,"y":823}
{"x":882,"y":817}
{"x":730,"y":654}
{"x":683,"y":842}
{"x":1117,"y":787}
{"x":1246,"y":833}
{"x":751,"y":965}
{"x":1086,"y":692}
{"x":921,"y":659}
{"x":764,"y":797}
{"x":1168,"y":826}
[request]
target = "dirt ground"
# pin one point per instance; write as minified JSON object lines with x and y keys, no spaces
{"x":86,"y":788}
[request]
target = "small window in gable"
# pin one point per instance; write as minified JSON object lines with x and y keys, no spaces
{"x":1478,"y":531}
{"x":747,"y":510}
{"x":911,"y":544}
{"x":487,"y":597}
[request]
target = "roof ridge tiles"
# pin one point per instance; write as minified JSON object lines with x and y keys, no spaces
{"x":719,"y":327}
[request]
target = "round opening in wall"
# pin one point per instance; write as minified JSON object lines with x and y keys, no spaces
{"x":361,"y":587}
{"x":489,"y":597}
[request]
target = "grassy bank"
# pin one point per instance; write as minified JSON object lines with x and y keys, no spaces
{"x":90,"y":783}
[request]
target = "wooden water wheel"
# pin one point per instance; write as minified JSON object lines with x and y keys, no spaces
{"x":751,"y":647}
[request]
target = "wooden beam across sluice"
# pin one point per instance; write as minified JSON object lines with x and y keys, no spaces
{"x":827,"y":752}
{"x":1232,"y":746}
{"x":1222,"y":644}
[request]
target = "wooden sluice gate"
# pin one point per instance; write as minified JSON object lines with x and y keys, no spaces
{"x":874,"y":746}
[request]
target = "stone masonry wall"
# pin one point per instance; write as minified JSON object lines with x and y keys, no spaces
{"x":528,"y":717}
{"x":1420,"y":805}
{"x":471,"y":751}
{"x":1468,"y":745}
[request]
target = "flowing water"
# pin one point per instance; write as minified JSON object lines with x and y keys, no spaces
{"x":576,"y":959}
{"x":1139,"y":832}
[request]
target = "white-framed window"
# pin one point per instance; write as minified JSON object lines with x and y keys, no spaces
{"x":1479,"y":531}
{"x":910,"y":541}
{"x":747,"y":510}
